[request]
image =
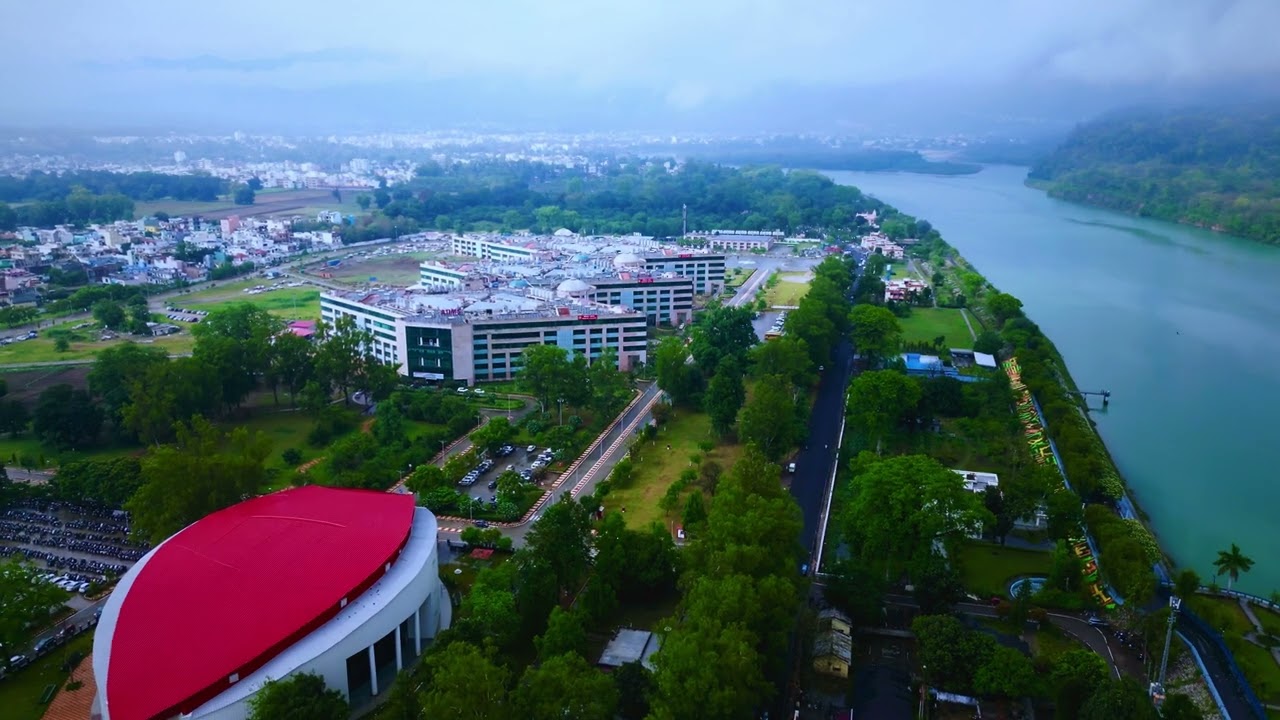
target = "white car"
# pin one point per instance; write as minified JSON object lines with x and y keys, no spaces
{"x":479,"y":391}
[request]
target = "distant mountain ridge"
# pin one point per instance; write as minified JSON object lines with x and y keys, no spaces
{"x":1213,"y":168}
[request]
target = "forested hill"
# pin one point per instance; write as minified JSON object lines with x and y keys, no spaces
{"x":1211,"y":168}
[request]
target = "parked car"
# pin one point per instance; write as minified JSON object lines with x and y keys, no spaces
{"x":482,"y":523}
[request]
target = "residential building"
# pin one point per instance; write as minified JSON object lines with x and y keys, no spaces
{"x":976,"y":481}
{"x":903,"y":290}
{"x":494,"y":248}
{"x":877,"y":243}
{"x":740,"y":240}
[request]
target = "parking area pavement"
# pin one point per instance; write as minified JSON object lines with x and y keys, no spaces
{"x":527,"y":461}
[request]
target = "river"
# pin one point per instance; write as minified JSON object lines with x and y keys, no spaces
{"x":1181,"y":325}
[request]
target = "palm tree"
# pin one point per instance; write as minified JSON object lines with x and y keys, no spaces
{"x":1231,"y":563}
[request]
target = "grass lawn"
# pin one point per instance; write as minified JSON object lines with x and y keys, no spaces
{"x":300,"y":303}
{"x":659,"y":467}
{"x":926,"y":323}
{"x":1223,"y":613}
{"x":1049,"y":642}
{"x":987,"y":569}
{"x":1270,"y":620}
{"x":1259,"y":667}
{"x":737,"y":277}
{"x":20,"y":693}
{"x":46,"y":457}
{"x":789,"y":289}
{"x":85,"y":345}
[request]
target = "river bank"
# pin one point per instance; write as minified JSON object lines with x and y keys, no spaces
{"x":1171,"y":319}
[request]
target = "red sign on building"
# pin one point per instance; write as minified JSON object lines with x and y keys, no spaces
{"x":686,"y":255}
{"x":644,"y":281}
{"x":588,"y":317}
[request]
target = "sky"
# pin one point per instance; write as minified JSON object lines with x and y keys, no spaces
{"x":412,"y":62}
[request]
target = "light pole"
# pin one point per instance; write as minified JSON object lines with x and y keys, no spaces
{"x":560,"y":402}
{"x":1157,"y":687}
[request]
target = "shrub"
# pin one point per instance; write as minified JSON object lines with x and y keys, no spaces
{"x":291,"y":456}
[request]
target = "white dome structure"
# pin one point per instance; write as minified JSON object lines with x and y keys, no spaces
{"x":564,"y":232}
{"x":573,"y":287}
{"x":628,"y":260}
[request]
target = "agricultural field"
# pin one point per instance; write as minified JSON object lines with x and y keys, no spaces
{"x":789,"y":289}
{"x":267,"y":202}
{"x":927,"y":323}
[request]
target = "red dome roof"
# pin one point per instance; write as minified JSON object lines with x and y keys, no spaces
{"x":230,"y":592}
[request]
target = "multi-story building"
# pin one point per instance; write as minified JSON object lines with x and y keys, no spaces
{"x":706,"y":270}
{"x":476,"y":337}
{"x":665,"y":299}
{"x":492,"y":248}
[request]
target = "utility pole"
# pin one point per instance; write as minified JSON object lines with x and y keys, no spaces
{"x":1157,"y":687}
{"x":684,"y":220}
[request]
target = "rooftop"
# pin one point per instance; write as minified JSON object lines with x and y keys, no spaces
{"x":469,"y":306}
{"x":253,"y":579}
{"x":630,"y":646}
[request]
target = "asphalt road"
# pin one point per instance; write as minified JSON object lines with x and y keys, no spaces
{"x":816,"y":460}
{"x":1218,"y":665}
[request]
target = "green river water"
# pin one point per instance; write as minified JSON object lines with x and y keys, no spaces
{"x":1181,"y":325}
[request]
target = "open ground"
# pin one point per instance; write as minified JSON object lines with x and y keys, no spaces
{"x":789,"y":289}
{"x":987,"y":568}
{"x":297,"y":303}
{"x":285,"y":202}
{"x":658,"y":467}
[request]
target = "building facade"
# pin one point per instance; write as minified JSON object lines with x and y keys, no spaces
{"x":493,"y":249}
{"x":663,"y":300}
{"x":705,"y":270}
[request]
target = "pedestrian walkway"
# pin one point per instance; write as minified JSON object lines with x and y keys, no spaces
{"x":74,"y":704}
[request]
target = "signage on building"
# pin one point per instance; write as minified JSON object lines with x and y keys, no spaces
{"x":429,"y":376}
{"x":644,"y":281}
{"x":588,"y":317}
{"x":686,"y":255}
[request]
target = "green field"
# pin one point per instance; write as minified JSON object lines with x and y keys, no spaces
{"x":1270,"y":620}
{"x":84,"y":345}
{"x":925,"y":324}
{"x":178,"y":208}
{"x":659,"y":467}
{"x":789,"y":289}
{"x":302,"y":303}
{"x":20,"y":694}
{"x":986,"y":569}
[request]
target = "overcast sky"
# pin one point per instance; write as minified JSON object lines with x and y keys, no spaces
{"x":135,"y":56}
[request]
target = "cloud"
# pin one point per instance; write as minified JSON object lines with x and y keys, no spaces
{"x":689,"y":53}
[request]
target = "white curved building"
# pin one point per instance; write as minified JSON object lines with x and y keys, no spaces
{"x":341,"y":583}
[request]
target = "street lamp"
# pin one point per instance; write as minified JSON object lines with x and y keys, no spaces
{"x":560,"y":402}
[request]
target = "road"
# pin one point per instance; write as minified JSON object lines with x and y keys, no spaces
{"x":1219,"y":673}
{"x":816,"y":461}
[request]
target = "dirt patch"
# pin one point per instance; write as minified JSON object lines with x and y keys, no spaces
{"x":26,"y":385}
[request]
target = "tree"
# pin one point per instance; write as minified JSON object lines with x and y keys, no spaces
{"x":1064,"y":513}
{"x":787,"y":356}
{"x":770,"y":418}
{"x":61,"y":344}
{"x":560,"y":539}
{"x":109,"y":481}
{"x":610,"y":387}
{"x":1004,"y":307}
{"x":243,"y":195}
{"x":676,"y":376}
{"x":988,"y":342}
{"x":878,"y":400}
{"x":66,"y":417}
{"x":1231,"y":563}
{"x":25,"y":599}
{"x":364,"y":201}
{"x":951,"y":652}
{"x":551,"y":374}
{"x":899,"y":506}
{"x":1186,"y":583}
{"x":341,"y":354}
{"x":493,"y":434}
{"x":381,"y":198}
{"x":298,"y":697}
{"x":203,"y":471}
{"x":1119,"y":699}
{"x":1074,"y":677}
{"x":855,"y":590}
{"x":565,"y":686}
{"x":1179,"y":707}
{"x":13,"y":417}
{"x":564,"y":634}
{"x":722,"y":331}
{"x":937,"y":586}
{"x":725,"y":395}
{"x":811,"y":323}
{"x":166,"y":393}
{"x":695,"y":511}
{"x":109,"y":313}
{"x":290,"y":363}
{"x":876,"y":333}
{"x":464,"y":683}
{"x":1005,"y":673}
{"x":114,"y":372}
{"x":688,"y":686}
{"x":634,"y":683}
{"x":234,"y":344}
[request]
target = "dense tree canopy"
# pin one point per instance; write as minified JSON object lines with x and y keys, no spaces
{"x":298,"y":697}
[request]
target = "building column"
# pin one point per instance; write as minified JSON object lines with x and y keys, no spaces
{"x":373,"y":673}
{"x":399,"y":658}
{"x":417,"y":631}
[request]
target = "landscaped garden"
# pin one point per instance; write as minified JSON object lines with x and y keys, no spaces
{"x":987,"y":569}
{"x":926,"y":324}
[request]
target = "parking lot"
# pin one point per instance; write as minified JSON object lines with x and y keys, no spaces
{"x":74,"y":545}
{"x":529,"y":462}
